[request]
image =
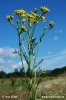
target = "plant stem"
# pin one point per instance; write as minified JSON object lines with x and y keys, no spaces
{"x":20,"y":52}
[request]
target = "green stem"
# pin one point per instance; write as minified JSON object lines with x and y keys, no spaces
{"x":36,"y":56}
{"x":20,"y":52}
{"x":28,"y":40}
{"x":33,"y":30}
{"x":23,"y":46}
{"x":12,"y":23}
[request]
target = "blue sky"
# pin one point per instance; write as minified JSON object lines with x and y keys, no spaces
{"x":53,"y":47}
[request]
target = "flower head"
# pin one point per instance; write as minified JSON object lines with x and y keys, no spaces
{"x":9,"y":17}
{"x":32,"y":18}
{"x":35,"y":15}
{"x":29,"y":16}
{"x":44,"y":9}
{"x":20,"y":12}
{"x":24,"y":28}
{"x":51,"y":24}
{"x":43,"y":18}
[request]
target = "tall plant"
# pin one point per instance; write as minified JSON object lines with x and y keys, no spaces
{"x":29,"y":44}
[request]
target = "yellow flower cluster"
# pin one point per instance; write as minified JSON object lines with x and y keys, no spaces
{"x":32,"y":18}
{"x":9,"y":17}
{"x":24,"y":28}
{"x":20,"y":12}
{"x":43,"y":18}
{"x":51,"y":24}
{"x":44,"y":9}
{"x":35,"y":14}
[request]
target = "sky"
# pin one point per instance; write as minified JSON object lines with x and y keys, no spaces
{"x":53,"y":47}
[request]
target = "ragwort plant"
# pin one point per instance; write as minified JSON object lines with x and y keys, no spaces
{"x":28,"y":44}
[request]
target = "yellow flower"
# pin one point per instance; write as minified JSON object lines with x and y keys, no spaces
{"x":30,"y":17}
{"x":51,"y":24}
{"x":9,"y":17}
{"x":43,"y":18}
{"x":20,"y":12}
{"x":24,"y":28}
{"x":35,"y":15}
{"x":33,"y":20}
{"x":44,"y":9}
{"x":23,"y":15}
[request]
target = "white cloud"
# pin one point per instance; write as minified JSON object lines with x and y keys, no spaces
{"x":18,"y":65}
{"x":59,"y":31}
{"x":61,"y":53}
{"x":49,"y":52}
{"x":13,"y":64}
{"x":54,"y":61}
{"x":1,"y":68}
{"x":51,"y":61}
{"x":7,"y":51}
{"x":56,"y":38}
{"x":2,"y":61}
{"x":8,"y":60}
{"x":10,"y":66}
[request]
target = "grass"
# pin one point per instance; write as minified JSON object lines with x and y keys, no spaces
{"x":12,"y":87}
{"x":55,"y":87}
{"x":50,"y":86}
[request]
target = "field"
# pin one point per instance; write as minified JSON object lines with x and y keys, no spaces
{"x":51,"y":88}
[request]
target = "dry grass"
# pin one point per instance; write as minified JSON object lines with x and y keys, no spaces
{"x":55,"y":87}
{"x":48,"y":87}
